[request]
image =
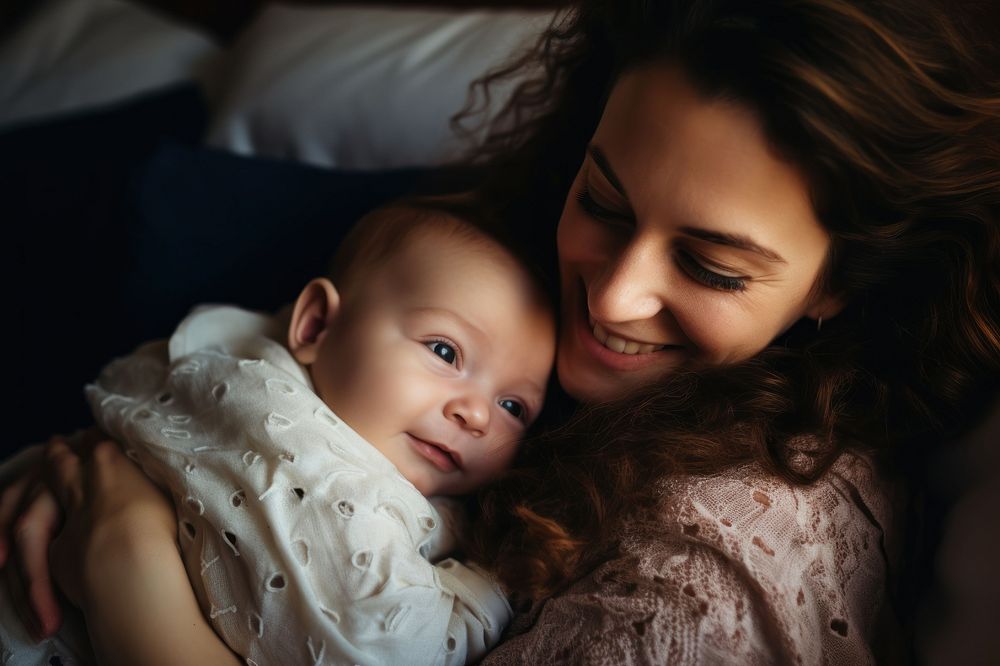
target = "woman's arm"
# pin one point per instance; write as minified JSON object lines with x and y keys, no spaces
{"x":140,"y":607}
{"x":116,"y":558}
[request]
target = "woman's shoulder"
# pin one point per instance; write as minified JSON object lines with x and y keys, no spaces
{"x":817,"y":557}
{"x":756,"y":514}
{"x":738,"y":566}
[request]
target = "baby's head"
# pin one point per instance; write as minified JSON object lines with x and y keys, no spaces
{"x":432,"y":341}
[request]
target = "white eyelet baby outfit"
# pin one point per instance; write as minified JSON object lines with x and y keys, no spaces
{"x":303,"y":543}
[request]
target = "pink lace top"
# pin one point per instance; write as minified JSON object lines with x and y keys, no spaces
{"x":740,"y":568}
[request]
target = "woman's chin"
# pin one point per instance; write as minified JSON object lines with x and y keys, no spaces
{"x":591,"y":373}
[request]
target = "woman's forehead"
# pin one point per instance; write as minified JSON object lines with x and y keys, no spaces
{"x":697,"y":162}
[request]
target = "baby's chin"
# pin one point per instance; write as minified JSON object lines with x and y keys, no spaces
{"x":430,"y":486}
{"x":457,"y":487}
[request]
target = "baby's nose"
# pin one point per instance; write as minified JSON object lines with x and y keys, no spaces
{"x":471,"y":411}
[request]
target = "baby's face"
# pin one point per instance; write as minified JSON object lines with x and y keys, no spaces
{"x":440,"y":359}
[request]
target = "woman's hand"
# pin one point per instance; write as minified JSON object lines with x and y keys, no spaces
{"x":29,"y":518}
{"x":112,"y":510}
{"x":115,"y":557}
{"x":29,"y":515}
{"x":109,"y":504}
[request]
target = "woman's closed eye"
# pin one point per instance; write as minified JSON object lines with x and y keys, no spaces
{"x":445,"y":351}
{"x":625,"y":221}
{"x":698,"y":272}
{"x":602,"y":213}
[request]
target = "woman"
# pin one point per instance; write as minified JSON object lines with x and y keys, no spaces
{"x":778,"y":278}
{"x":777,"y":370}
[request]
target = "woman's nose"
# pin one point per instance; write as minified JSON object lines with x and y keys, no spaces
{"x":471,"y":411}
{"x":631,"y":286}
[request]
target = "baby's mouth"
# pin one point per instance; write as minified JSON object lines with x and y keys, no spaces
{"x":438,"y":454}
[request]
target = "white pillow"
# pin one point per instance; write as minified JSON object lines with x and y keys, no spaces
{"x":73,"y":54}
{"x":360,"y":88}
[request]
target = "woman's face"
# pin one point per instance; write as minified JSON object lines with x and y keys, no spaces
{"x":684,"y":237}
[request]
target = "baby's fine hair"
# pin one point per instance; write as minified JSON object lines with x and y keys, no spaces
{"x":378,"y":236}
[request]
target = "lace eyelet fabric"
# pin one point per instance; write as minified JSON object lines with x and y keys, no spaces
{"x":736,"y":568}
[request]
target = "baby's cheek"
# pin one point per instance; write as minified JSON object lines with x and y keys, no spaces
{"x":499,"y":457}
{"x":384,"y":394}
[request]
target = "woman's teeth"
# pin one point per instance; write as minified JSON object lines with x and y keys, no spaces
{"x":621,"y":345}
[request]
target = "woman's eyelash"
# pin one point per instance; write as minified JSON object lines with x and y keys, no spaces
{"x":709,"y":278}
{"x":596,"y":210}
{"x":688,"y":263}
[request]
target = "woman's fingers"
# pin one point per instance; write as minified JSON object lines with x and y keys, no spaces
{"x":29,"y":580}
{"x":102,"y":496}
{"x":30,"y":515}
{"x":10,"y":502}
{"x":118,"y":490}
{"x":63,"y":473}
{"x":82,"y":442}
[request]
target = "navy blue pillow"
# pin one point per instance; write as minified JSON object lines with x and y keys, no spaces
{"x":210,"y":226}
{"x":121,"y":224}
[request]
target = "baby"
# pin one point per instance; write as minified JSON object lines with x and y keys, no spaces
{"x":300,"y":450}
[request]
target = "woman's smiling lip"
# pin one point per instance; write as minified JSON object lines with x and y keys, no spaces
{"x":438,"y":455}
{"x":612,"y":340}
{"x":611,"y":359}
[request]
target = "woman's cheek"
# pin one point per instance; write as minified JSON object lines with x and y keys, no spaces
{"x":571,"y":241}
{"x":583,"y":240}
{"x":717,"y":329}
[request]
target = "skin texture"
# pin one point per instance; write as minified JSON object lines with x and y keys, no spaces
{"x":439,"y":357}
{"x":646,"y":239}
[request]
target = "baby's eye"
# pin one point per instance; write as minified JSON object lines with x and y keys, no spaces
{"x":444,"y":350}
{"x":512,"y":406}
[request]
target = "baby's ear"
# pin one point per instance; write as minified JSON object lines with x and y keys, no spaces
{"x":315,"y":310}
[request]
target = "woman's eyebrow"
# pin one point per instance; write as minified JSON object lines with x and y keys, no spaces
{"x":738,"y":241}
{"x":601,"y":160}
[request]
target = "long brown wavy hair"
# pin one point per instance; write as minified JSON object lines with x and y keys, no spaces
{"x":893,"y":114}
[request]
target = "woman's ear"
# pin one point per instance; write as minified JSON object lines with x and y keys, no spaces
{"x":315,"y":309}
{"x":826,"y":306}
